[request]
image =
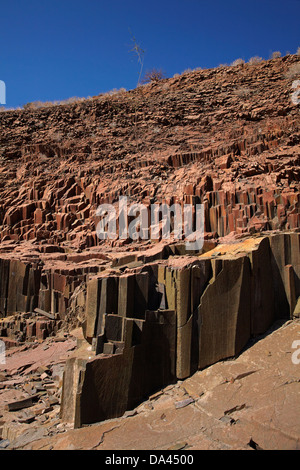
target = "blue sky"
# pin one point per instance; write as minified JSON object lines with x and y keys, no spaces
{"x":54,"y":50}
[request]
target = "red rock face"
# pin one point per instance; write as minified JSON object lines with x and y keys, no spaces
{"x":227,"y":138}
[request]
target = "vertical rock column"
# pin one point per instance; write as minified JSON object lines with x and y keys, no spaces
{"x":4,"y":276}
{"x":224,"y":312}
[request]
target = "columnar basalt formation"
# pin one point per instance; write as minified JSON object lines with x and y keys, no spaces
{"x":151,"y":311}
{"x":170,"y":318}
{"x":226,"y":137}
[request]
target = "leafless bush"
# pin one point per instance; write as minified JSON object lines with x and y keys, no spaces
{"x":4,"y":110}
{"x":187,"y":71}
{"x":33,"y":105}
{"x":293,"y":71}
{"x":275,"y":55}
{"x":255,"y":60}
{"x":238,"y":62}
{"x":153,"y":75}
{"x":46,"y":104}
{"x":116,"y":91}
{"x":73,"y":99}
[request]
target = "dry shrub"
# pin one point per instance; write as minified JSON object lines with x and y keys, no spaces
{"x":255,"y":60}
{"x":275,"y":55}
{"x":293,"y":71}
{"x":153,"y":75}
{"x":238,"y":62}
{"x":46,"y":104}
{"x":116,"y":91}
{"x":186,"y":71}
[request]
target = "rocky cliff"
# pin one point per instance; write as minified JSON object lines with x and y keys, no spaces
{"x":227,"y":138}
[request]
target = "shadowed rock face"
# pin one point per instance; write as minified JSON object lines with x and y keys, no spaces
{"x":151,"y":312}
{"x":212,"y":305}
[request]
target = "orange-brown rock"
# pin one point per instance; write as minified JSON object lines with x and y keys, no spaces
{"x":151,"y":312}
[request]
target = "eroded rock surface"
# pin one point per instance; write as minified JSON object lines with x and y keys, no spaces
{"x":149,"y":311}
{"x":248,"y":403}
{"x":226,"y":137}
